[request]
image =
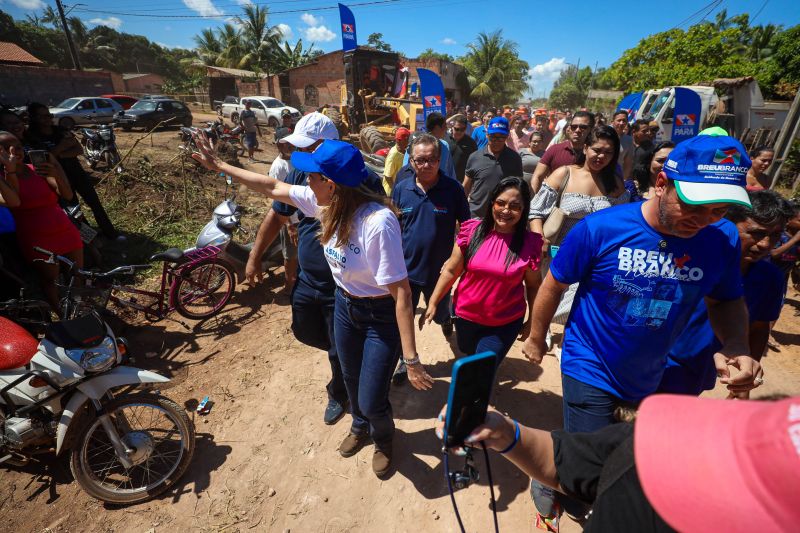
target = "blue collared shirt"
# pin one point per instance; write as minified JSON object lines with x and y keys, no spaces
{"x":428,"y":222}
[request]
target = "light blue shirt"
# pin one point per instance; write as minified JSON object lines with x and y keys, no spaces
{"x":445,"y":160}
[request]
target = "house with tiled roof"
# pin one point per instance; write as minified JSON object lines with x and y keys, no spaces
{"x":12,"y":54}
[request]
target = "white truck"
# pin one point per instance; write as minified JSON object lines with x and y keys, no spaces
{"x":267,"y":109}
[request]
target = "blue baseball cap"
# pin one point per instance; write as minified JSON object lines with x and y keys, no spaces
{"x":498,"y":125}
{"x":709,"y":169}
{"x":336,"y":160}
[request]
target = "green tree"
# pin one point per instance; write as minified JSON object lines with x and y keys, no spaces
{"x":494,"y":69}
{"x":429,"y":53}
{"x":376,"y":41}
{"x":293,"y":56}
{"x":208,"y":47}
{"x":259,"y":39}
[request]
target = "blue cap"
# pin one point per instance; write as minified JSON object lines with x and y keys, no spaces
{"x":336,"y":160}
{"x":709,"y":169}
{"x":498,"y":125}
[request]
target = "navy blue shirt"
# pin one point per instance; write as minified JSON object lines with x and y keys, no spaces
{"x":312,"y":266}
{"x":690,"y":364}
{"x":638,"y":290}
{"x":428,"y":222}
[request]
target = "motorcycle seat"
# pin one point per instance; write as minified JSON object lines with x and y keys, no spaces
{"x":17,"y":346}
{"x":82,"y":332}
{"x":171,"y":255}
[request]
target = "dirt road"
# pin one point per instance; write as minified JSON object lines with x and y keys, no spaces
{"x":266,"y":462}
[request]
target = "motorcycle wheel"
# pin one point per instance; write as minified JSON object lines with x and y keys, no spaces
{"x":112,"y":158}
{"x":159,"y":432}
{"x":203,"y":289}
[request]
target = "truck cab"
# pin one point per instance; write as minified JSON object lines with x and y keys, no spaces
{"x":663,"y":108}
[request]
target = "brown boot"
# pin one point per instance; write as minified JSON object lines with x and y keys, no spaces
{"x":382,"y":460}
{"x":352,"y":444}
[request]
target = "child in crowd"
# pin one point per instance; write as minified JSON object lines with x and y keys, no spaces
{"x":279,"y":170}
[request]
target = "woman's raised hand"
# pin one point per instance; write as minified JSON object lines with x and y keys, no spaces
{"x":205,"y":152}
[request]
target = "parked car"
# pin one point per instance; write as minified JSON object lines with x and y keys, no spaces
{"x":155,"y":97}
{"x":227,"y":100}
{"x":267,"y":109}
{"x":148,"y":113}
{"x":125,"y":101}
{"x":85,"y":110}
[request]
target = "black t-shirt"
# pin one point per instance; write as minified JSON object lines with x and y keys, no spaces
{"x":461,"y":150}
{"x":39,"y":141}
{"x":622,"y":507}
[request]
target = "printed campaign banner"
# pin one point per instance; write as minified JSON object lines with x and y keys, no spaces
{"x":432,"y":92}
{"x":686,"y":123}
{"x":348,"y":21}
{"x":630,"y":103}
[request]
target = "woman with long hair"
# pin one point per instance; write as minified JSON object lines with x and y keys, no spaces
{"x":646,"y":171}
{"x":39,"y":220}
{"x":373,"y":316}
{"x":496,"y":259}
{"x":757,"y":178}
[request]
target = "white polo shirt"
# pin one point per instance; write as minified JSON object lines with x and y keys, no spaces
{"x":373,"y":256}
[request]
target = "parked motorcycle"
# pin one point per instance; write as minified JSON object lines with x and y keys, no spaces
{"x":226,"y":141}
{"x":100,"y":145}
{"x":63,"y":394}
{"x":227,"y":220}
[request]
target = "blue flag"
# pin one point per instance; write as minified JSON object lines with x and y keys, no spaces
{"x":432,"y":92}
{"x":630,"y":104}
{"x":686,"y":123}
{"x":348,"y":21}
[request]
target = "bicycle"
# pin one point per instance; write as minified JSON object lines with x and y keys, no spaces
{"x":197,"y":284}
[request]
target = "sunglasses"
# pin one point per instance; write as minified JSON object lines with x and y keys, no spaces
{"x":424,"y":162}
{"x":459,"y":129}
{"x":581,"y":127}
{"x":511,"y":206}
{"x":654,"y":129}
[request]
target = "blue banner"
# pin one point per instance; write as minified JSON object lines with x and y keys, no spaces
{"x":686,"y":116}
{"x":432,"y":92}
{"x":348,"y":21}
{"x":630,"y":103}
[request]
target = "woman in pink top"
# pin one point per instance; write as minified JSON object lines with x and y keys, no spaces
{"x":497,"y":260}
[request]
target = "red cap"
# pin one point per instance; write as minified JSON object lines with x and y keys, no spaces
{"x":402,"y":134}
{"x":719,"y":465}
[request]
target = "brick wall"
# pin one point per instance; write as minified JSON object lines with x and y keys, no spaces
{"x":20,"y":85}
{"x":149,"y":83}
{"x":320,"y":81}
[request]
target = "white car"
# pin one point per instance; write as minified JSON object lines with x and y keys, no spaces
{"x":267,"y":109}
{"x":85,"y":110}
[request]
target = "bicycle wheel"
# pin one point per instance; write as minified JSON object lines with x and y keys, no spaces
{"x":203,"y":289}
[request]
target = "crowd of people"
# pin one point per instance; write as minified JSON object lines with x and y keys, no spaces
{"x":666,"y":265}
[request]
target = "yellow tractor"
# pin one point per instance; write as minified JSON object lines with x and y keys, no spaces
{"x":375,"y":100}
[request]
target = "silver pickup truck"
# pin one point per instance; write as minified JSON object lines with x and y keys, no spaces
{"x":267,"y":109}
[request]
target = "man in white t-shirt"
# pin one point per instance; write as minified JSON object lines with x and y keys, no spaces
{"x":279,"y":170}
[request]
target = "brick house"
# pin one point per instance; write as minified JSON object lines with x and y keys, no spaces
{"x":142,"y":82}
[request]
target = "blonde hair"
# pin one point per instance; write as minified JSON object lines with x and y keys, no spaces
{"x":337,"y":218}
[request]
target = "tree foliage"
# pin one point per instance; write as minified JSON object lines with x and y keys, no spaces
{"x":376,"y":41}
{"x":729,"y":47}
{"x":429,"y":53}
{"x":494,"y":69}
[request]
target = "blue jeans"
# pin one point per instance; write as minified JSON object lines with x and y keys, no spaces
{"x":442,"y":310}
{"x":368,"y":342}
{"x":475,"y":338}
{"x":312,"y":324}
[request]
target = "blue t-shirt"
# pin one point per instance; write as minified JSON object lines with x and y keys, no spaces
{"x":638,"y":289}
{"x":690,"y":363}
{"x":428,"y":221}
{"x":312,"y":267}
{"x":480,"y":137}
{"x":445,"y":159}
{"x":7,"y":224}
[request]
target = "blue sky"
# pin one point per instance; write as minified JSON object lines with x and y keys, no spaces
{"x":550,"y":34}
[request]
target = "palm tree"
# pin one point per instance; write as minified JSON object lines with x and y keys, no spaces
{"x":761,"y":46}
{"x":232,"y":48}
{"x":260,"y":40}
{"x":34,"y":19}
{"x":290,"y":57}
{"x":494,"y":69}
{"x":209,"y":47}
{"x":50,"y":16}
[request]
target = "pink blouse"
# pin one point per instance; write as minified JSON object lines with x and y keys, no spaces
{"x":488,"y":293}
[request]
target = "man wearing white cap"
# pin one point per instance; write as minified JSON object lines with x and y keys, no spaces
{"x":313,"y":293}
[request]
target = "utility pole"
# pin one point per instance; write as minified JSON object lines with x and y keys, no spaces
{"x":76,"y":62}
{"x":789,"y":131}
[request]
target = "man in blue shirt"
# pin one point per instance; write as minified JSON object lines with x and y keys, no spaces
{"x":643,"y":270}
{"x":313,"y":293}
{"x":690,"y":363}
{"x":480,"y":134}
{"x":436,"y":126}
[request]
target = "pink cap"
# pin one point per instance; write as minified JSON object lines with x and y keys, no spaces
{"x":720,"y":465}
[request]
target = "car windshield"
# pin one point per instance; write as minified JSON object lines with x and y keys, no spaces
{"x":659,"y":103}
{"x":145,"y":105}
{"x":69,"y":103}
{"x":274,"y":103}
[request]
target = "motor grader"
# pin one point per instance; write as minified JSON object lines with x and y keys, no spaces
{"x":375,"y":100}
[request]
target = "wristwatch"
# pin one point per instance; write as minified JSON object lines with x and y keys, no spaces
{"x":413,"y":361}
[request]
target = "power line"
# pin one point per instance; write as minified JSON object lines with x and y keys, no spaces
{"x":223,"y":15}
{"x":185,"y":8}
{"x":713,"y":5}
{"x":760,"y":9}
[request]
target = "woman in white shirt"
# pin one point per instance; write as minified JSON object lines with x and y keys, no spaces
{"x":373,"y":316}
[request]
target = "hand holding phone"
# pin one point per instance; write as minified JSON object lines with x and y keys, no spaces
{"x":468,"y":399}
{"x":37,"y":157}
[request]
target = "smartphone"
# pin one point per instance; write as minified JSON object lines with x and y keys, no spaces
{"x":37,"y":157}
{"x":468,"y":400}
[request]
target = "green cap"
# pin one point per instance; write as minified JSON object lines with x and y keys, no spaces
{"x":714,"y":131}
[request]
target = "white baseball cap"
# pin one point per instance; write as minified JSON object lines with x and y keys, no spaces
{"x":310,"y":129}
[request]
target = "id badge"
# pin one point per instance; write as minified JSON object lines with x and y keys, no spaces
{"x":553,"y":250}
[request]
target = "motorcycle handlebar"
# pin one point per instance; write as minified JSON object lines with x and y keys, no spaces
{"x":120,"y":270}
